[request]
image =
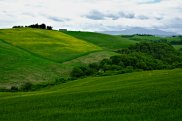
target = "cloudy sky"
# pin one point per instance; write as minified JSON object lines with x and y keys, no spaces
{"x":94,"y":15}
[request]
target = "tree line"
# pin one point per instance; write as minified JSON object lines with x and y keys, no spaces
{"x":142,"y":56}
{"x":41,"y":26}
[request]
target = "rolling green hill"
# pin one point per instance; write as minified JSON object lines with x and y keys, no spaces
{"x":105,"y":41}
{"x":42,"y":56}
{"x":139,"y":96}
{"x":51,"y":45}
{"x":35,"y":55}
{"x":141,"y":37}
{"x":175,"y":40}
{"x":17,"y":66}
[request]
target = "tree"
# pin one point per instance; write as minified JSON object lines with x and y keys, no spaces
{"x":26,"y":86}
{"x":17,"y":27}
{"x":14,"y":89}
{"x":142,"y":56}
{"x":42,"y":26}
{"x":77,"y":72}
{"x":49,"y":27}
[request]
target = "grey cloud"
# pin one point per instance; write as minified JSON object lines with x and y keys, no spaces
{"x":142,"y":17}
{"x":95,"y":15}
{"x":158,"y":18}
{"x":112,"y":16}
{"x":54,"y":18}
{"x":57,"y":19}
{"x":126,"y":15}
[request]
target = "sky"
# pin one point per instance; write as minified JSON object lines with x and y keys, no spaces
{"x":94,"y":15}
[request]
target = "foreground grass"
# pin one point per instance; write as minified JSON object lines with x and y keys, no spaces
{"x":140,"y":96}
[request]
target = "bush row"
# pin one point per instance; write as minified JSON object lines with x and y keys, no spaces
{"x":142,"y":56}
{"x":41,"y":26}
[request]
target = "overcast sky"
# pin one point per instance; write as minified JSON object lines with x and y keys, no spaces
{"x":93,"y":15}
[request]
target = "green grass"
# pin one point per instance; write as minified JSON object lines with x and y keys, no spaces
{"x":18,"y":66}
{"x":153,"y":38}
{"x":150,"y":38}
{"x":40,"y":56}
{"x":176,"y":38}
{"x":107,"y":42}
{"x":35,"y":55}
{"x":139,"y":96}
{"x":177,"y":46}
{"x":90,"y":58}
{"x":142,"y":38}
{"x":51,"y":45}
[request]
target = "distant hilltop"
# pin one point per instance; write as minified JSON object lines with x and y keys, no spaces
{"x":138,"y":30}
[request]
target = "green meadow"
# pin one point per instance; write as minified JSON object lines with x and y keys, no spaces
{"x":138,"y":96}
{"x":43,"y":56}
{"x":17,"y":66}
{"x":52,"y":45}
{"x":105,"y":41}
{"x":35,"y":55}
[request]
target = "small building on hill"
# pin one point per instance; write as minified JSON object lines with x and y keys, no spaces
{"x":62,"y":29}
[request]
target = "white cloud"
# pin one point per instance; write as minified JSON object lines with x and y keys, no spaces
{"x":80,"y":15}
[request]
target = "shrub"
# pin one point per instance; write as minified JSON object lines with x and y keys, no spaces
{"x":13,"y":89}
{"x":49,"y":27}
{"x":60,"y":80}
{"x":77,"y":72}
{"x":26,"y":86}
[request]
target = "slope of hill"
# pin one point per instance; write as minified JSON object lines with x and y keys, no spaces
{"x":105,"y":41}
{"x":17,"y":66}
{"x":35,"y":55}
{"x":139,"y":96}
{"x":51,"y":45}
{"x":142,"y":38}
{"x":176,"y":41}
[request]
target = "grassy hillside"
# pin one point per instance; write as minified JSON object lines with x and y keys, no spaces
{"x":90,"y":58}
{"x":103,"y":40}
{"x":51,"y":45}
{"x":35,"y":55}
{"x":142,"y":38}
{"x":177,"y":46}
{"x":175,"y":41}
{"x":140,"y":96}
{"x":17,"y":66}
